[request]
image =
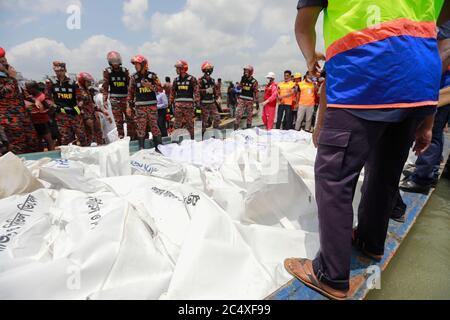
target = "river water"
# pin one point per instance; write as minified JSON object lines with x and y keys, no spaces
{"x":421,"y":267}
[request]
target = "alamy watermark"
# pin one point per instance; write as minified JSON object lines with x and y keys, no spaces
{"x":73,"y":22}
{"x":373,"y":280}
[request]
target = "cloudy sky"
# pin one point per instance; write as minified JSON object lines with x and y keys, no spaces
{"x":229,"y":33}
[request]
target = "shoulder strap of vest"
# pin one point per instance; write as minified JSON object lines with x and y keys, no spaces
{"x":136,"y":76}
{"x":123,"y":69}
{"x":109,"y":70}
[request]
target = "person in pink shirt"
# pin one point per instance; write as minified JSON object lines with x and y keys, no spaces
{"x":270,"y":101}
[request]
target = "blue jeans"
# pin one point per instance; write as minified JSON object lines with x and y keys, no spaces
{"x":427,"y":164}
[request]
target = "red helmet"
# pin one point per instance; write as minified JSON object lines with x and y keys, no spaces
{"x":2,"y":52}
{"x":249,"y":68}
{"x":141,"y":60}
{"x":83,"y":77}
{"x":114,"y":57}
{"x":182,"y":64}
{"x":207,"y":66}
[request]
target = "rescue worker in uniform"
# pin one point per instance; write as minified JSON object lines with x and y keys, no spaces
{"x":186,"y":97}
{"x":89,"y":109}
{"x":14,"y":118}
{"x":248,"y":96}
{"x":62,"y":92}
{"x":208,"y":96}
{"x":142,"y":91}
{"x":116,"y":79}
{"x":306,"y":100}
{"x":286,"y":96}
{"x":270,"y":101}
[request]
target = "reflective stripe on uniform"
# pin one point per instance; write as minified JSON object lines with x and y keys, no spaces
{"x":116,"y":95}
{"x":184,"y":100}
{"x":145,"y":103}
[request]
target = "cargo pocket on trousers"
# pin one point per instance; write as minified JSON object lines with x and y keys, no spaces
{"x":333,"y":144}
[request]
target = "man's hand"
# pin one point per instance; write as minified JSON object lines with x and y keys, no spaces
{"x":147,"y":84}
{"x":424,"y":135}
{"x":315,"y":136}
{"x":313,"y":65}
{"x":129,"y":112}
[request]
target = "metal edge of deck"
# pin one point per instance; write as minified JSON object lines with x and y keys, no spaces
{"x":360,"y":265}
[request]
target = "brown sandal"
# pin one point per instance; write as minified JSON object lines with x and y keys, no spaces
{"x":306,"y":275}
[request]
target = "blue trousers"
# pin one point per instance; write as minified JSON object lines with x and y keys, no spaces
{"x":427,"y":164}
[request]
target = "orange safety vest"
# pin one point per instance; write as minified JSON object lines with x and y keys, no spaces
{"x":307,"y":94}
{"x":285,"y":88}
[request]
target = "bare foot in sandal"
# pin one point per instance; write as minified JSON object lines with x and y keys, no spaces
{"x":302,"y":269}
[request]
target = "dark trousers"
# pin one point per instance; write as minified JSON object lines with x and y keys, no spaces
{"x":427,"y":164}
{"x":285,"y":110}
{"x":346,"y":144}
{"x":162,"y":121}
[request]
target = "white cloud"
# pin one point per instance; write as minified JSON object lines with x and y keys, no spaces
{"x":34,"y":58}
{"x":134,"y":14}
{"x":221,"y":31}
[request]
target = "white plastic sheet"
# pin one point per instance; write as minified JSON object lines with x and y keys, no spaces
{"x":15,"y":178}
{"x":209,"y":220}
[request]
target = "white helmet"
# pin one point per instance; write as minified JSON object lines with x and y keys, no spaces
{"x":271,"y":75}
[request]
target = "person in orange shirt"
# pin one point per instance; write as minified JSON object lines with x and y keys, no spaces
{"x":297,"y":79}
{"x":286,"y":94}
{"x":306,"y":102}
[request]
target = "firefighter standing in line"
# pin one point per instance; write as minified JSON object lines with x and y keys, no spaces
{"x":248,"y":95}
{"x":208,"y":96}
{"x":116,"y":79}
{"x":142,"y":91}
{"x":62,"y":91}
{"x":89,"y":110}
{"x":14,"y":118}
{"x":186,"y":96}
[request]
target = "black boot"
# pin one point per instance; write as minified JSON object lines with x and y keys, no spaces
{"x":141,"y":142}
{"x":249,"y":126}
{"x":157,"y":140}
{"x":236,"y":127}
{"x":411,"y":186}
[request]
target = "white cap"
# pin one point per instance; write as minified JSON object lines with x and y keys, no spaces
{"x":271,"y":75}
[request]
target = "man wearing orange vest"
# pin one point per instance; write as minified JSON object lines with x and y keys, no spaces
{"x":306,"y":100}
{"x":286,"y":95}
{"x":382,"y":89}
